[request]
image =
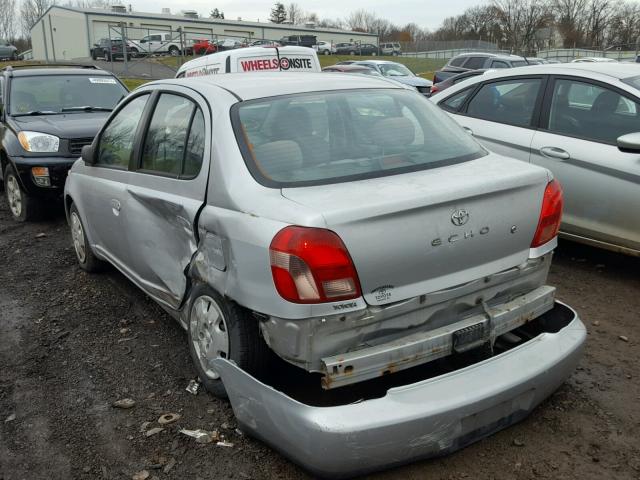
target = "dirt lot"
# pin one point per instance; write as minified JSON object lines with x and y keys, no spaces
{"x":72,"y":343}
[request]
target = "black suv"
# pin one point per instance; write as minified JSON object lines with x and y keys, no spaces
{"x":300,"y":40}
{"x":47,"y":114}
{"x":111,"y":49}
{"x":477,"y":61}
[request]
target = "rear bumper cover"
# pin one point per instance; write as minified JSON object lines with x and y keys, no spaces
{"x":421,"y":420}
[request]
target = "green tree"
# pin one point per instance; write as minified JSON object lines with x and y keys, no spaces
{"x":215,"y":13}
{"x":278,"y":13}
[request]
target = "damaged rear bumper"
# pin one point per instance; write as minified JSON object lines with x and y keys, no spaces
{"x":420,"y":420}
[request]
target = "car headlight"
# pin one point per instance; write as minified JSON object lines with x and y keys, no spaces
{"x":38,"y":142}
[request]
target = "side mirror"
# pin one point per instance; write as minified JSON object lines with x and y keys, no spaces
{"x":88,"y":154}
{"x":629,"y":143}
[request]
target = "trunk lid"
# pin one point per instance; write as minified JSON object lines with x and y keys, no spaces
{"x":422,"y":232}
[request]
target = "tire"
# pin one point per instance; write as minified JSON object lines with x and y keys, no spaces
{"x":14,"y":56}
{"x":326,"y":52}
{"x":352,"y":53}
{"x":174,"y":51}
{"x":94,"y":55}
{"x":22,"y":206}
{"x":374,"y":54}
{"x":85,"y":256}
{"x":134,"y":52}
{"x":218,"y":327}
{"x":395,"y":54}
{"x":108,"y":57}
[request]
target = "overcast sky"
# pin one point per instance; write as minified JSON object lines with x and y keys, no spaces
{"x":426,"y":13}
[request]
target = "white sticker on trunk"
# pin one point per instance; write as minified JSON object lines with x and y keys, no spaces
{"x":273,"y":64}
{"x":110,"y":81}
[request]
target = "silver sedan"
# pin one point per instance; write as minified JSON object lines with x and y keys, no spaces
{"x":351,"y":227}
{"x":582,"y":122}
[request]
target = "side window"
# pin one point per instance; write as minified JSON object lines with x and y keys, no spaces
{"x":511,"y":102}
{"x":116,"y":141}
{"x":456,"y":62}
{"x":1,"y":93}
{"x":474,"y":63}
{"x":169,"y":148}
{"x":195,"y":146}
{"x":454,"y":102}
{"x":499,"y":64}
{"x":596,"y":113}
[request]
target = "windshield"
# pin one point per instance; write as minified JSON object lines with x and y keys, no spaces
{"x":330,"y":137}
{"x":395,"y":70}
{"x":54,"y":94}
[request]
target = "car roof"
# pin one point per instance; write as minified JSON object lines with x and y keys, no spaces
{"x":504,"y":56}
{"x":271,"y":84}
{"x":375,"y":62}
{"x":615,"y":70}
{"x":53,"y":70}
{"x":348,"y":67}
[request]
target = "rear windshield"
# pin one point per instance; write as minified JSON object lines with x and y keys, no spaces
{"x":52,"y":94}
{"x":331,"y":137}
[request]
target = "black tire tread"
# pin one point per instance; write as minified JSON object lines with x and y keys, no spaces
{"x":92,"y":263}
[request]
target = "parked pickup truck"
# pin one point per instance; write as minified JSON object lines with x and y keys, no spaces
{"x":157,"y":43}
{"x":351,"y":227}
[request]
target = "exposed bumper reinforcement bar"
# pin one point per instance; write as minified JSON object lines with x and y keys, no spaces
{"x":423,"y":347}
{"x":421,"y":420}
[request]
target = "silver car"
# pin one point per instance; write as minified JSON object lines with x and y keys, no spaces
{"x":352,"y":228}
{"x":582,"y":122}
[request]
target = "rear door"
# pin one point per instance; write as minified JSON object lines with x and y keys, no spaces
{"x":166,"y":190}
{"x":503,"y":114}
{"x":581,"y":121}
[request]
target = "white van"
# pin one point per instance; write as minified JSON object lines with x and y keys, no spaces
{"x":253,"y":59}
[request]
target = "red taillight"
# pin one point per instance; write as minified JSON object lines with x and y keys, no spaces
{"x":550,"y":215}
{"x":434,"y":88}
{"x":312,"y":265}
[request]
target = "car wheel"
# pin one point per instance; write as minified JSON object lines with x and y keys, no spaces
{"x":395,"y":54}
{"x":86,"y":258}
{"x":94,"y":55}
{"x":352,"y":53}
{"x":174,"y":51}
{"x":220,"y":328}
{"x":326,"y":52}
{"x":373,"y":54}
{"x":14,"y":56}
{"x":22,"y":206}
{"x":134,"y":52}
{"x":108,"y":57}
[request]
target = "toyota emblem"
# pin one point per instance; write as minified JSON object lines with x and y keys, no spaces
{"x":459,"y":217}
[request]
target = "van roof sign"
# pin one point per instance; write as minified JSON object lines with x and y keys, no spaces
{"x":253,"y":59}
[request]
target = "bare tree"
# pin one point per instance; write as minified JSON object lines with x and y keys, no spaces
{"x":8,"y":19}
{"x":30,"y":13}
{"x":295,"y":14}
{"x":521,"y":19}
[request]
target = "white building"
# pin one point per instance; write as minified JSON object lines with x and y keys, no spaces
{"x":65,"y":33}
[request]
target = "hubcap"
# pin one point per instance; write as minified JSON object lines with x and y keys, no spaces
{"x":77,"y":234}
{"x":14,"y":196}
{"x":209,"y":333}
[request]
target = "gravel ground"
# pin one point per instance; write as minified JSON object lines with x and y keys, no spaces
{"x":71,"y":344}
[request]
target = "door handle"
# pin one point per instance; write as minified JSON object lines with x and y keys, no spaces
{"x":555,"y":152}
{"x":468,"y":130}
